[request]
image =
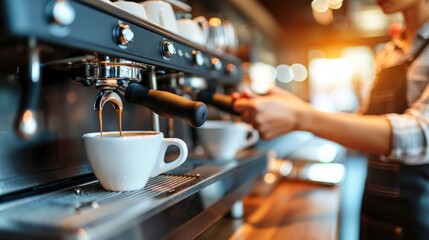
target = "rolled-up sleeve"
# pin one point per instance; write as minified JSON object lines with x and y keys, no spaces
{"x":410,"y":135}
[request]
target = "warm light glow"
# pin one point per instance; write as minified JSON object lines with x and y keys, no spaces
{"x":339,"y":84}
{"x":299,"y":72}
{"x":334,"y":2}
{"x":29,"y":123}
{"x":27,"y":116}
{"x":215,"y":61}
{"x":325,"y":172}
{"x":331,"y":84}
{"x":262,"y":77}
{"x":316,"y":53}
{"x":330,"y":71}
{"x":284,"y":73}
{"x":322,"y":10}
{"x":362,"y":61}
{"x":371,"y":19}
{"x":270,"y":178}
{"x":337,"y":5}
{"x":320,"y":5}
{"x":323,"y":18}
{"x":71,"y":97}
{"x":215,"y":22}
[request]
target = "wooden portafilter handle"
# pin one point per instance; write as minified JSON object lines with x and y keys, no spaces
{"x":167,"y":104}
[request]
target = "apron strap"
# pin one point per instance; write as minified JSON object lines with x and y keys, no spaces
{"x":416,"y":53}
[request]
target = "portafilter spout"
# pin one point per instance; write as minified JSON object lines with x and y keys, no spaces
{"x":107,"y":96}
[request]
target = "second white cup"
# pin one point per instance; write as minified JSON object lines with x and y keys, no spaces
{"x":223,"y":140}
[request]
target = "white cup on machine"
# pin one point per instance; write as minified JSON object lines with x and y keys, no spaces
{"x":133,"y":8}
{"x":195,"y":30}
{"x":161,"y":13}
{"x":222,"y":140}
{"x":125,"y":163}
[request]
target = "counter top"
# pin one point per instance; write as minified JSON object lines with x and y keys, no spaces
{"x":299,"y":210}
{"x":292,"y":210}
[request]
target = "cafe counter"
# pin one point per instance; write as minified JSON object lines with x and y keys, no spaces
{"x":291,"y":209}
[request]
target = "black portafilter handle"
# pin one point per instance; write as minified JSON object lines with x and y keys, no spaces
{"x":167,"y":104}
{"x":218,"y":100}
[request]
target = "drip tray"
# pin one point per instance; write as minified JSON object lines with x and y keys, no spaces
{"x":78,"y":206}
{"x":87,"y":211}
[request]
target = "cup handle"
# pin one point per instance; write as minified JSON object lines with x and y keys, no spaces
{"x":162,"y":166}
{"x":252,"y":139}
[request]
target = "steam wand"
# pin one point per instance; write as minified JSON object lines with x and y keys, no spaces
{"x":26,"y":121}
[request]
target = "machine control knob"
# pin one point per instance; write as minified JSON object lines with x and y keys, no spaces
{"x":198,"y":57}
{"x":231,"y":69}
{"x":62,"y":12}
{"x":216,"y":64}
{"x":124,"y":34}
{"x":168,"y":49}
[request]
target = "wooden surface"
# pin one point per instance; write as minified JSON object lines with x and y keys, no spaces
{"x":291,"y":210}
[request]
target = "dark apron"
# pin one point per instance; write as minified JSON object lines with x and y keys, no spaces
{"x":395,"y":204}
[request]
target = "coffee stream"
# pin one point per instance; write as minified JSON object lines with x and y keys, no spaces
{"x":100,"y":120}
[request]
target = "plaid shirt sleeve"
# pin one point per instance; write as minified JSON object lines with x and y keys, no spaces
{"x":410,"y":134}
{"x":410,"y":143}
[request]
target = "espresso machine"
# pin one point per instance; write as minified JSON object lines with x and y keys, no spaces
{"x":63,"y":60}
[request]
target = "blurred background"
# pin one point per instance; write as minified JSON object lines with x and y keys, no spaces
{"x":321,"y":50}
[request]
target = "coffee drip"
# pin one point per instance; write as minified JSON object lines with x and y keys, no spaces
{"x":112,"y":97}
{"x":100,"y":120}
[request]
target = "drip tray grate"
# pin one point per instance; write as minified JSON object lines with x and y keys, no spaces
{"x":86,"y":204}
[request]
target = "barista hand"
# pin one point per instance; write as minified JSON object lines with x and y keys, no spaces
{"x":279,"y":112}
{"x":273,"y":114}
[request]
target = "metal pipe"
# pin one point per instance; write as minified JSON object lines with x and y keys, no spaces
{"x":26,"y":123}
{"x":153,"y":85}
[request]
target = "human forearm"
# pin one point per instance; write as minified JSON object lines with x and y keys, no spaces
{"x":369,"y":134}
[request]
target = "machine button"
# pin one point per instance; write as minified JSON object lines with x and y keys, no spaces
{"x":124,"y":34}
{"x":231,"y":69}
{"x":216,"y":64}
{"x":62,"y":13}
{"x":168,"y":49}
{"x":198,"y":57}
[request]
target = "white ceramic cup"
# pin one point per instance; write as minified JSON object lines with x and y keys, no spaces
{"x":161,"y":13}
{"x":125,"y":163}
{"x":222,"y":140}
{"x":133,"y":8}
{"x":195,"y":30}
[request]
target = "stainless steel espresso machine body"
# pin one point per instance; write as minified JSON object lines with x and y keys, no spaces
{"x":60,"y":61}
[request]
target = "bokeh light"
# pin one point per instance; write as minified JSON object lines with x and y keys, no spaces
{"x":300,"y":72}
{"x":262,"y":77}
{"x":320,"y":5}
{"x":284,"y":73}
